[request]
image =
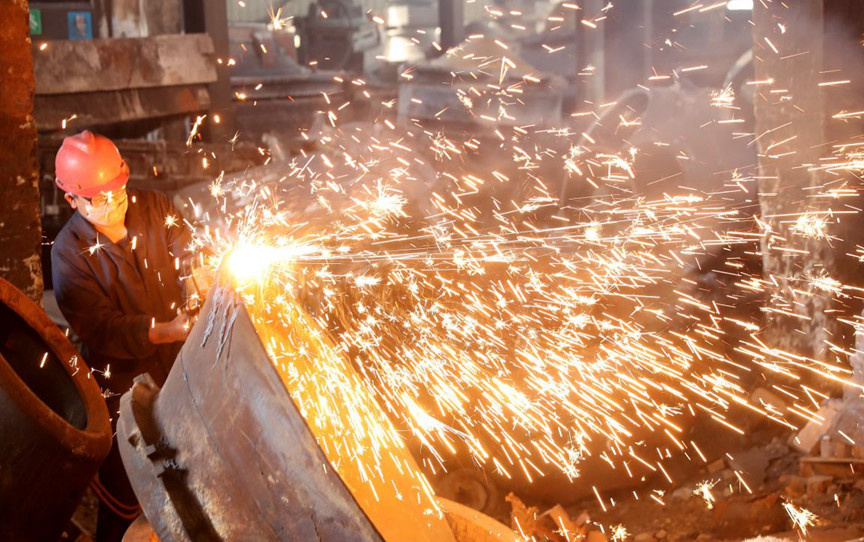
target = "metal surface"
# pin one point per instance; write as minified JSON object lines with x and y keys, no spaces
{"x":54,"y":427}
{"x":222,"y":451}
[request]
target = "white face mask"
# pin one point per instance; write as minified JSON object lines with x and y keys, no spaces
{"x":105,"y":210}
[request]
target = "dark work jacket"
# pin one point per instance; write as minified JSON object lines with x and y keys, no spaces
{"x":111,"y":295}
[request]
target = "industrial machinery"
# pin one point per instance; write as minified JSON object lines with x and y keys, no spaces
{"x":336,"y":35}
{"x":477,"y":86}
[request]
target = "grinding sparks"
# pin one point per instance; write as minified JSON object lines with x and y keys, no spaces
{"x":532,"y":348}
{"x":277,"y":22}
{"x":801,"y":518}
{"x":824,"y":283}
{"x":724,"y":99}
{"x":518,"y":345}
{"x":195,"y":128}
{"x":703,"y":490}
{"x":811,"y":225}
{"x":501,"y":319}
{"x":385,"y":202}
{"x":95,"y":247}
{"x":619,"y":533}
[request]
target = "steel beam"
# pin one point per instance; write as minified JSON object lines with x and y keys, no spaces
{"x":211,"y":17}
{"x":451,"y":20}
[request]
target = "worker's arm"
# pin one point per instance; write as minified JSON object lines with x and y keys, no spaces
{"x":106,"y":330}
{"x":176,"y":230}
{"x":197,"y":278}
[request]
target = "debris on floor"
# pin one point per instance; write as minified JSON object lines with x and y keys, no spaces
{"x":809,"y":486}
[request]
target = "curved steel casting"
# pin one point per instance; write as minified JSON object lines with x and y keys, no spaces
{"x":222,"y":452}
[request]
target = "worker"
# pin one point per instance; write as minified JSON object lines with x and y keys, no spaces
{"x":116,"y":268}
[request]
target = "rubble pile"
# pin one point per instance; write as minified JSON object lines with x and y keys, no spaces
{"x":757,"y":494}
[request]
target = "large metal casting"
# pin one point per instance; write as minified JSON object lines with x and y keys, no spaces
{"x":54,"y":425}
{"x":222,"y":452}
{"x":336,"y":35}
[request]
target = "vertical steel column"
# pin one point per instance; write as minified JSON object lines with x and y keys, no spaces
{"x":211,"y":17}
{"x":593,"y":46}
{"x":451,"y":19}
{"x":625,"y":52}
{"x":20,"y":216}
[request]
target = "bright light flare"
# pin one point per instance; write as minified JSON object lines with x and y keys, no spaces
{"x":248,"y":263}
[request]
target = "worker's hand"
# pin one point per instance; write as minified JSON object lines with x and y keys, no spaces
{"x":170,"y":332}
{"x":179,"y":327}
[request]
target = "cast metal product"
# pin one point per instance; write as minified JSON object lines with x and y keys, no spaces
{"x":228,"y":449}
{"x":54,"y":426}
{"x":336,"y":35}
{"x":433,"y":94}
{"x":474,"y":87}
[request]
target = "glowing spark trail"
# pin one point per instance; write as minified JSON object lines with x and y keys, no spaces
{"x":801,"y":517}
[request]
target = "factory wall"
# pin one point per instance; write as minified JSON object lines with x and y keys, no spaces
{"x":250,"y":11}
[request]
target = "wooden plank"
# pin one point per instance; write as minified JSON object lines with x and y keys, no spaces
{"x":66,"y":67}
{"x":98,"y":108}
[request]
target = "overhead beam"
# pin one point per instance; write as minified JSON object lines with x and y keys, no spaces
{"x":65,"y":67}
{"x":109,"y":107}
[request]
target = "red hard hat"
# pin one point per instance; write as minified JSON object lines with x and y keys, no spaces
{"x":88,"y":164}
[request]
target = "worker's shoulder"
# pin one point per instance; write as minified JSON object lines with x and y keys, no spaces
{"x":151,"y":204}
{"x":146,"y":196}
{"x":70,"y":240}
